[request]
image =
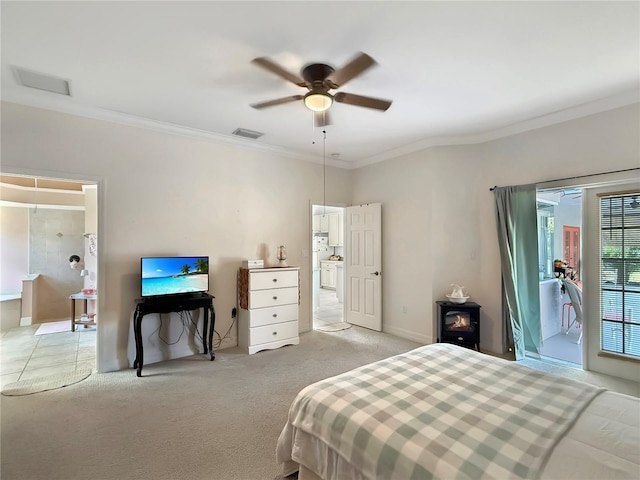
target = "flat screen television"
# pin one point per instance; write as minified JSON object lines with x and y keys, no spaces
{"x":161,"y":276}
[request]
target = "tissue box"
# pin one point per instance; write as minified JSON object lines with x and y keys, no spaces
{"x":253,"y":264}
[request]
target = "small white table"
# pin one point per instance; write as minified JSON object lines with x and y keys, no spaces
{"x":86,"y":298}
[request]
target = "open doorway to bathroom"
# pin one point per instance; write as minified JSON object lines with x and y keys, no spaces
{"x":560,"y":272}
{"x":327,"y":261}
{"x":49,"y":251}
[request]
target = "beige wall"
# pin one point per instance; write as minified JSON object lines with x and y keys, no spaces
{"x":429,"y":233}
{"x":162,"y":194}
{"x":438,"y":213}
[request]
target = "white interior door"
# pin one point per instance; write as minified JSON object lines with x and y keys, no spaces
{"x":363,"y":282}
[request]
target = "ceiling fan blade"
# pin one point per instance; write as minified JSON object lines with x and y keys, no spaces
{"x":360,"y":101}
{"x":277,"y":101}
{"x":267,"y":64}
{"x":355,"y":67}
{"x":321,"y":119}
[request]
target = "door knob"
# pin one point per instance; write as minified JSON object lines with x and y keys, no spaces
{"x":376,"y":273}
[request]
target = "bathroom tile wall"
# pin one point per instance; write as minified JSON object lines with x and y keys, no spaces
{"x":55,"y":235}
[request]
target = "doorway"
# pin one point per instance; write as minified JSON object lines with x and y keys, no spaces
{"x":327,"y":266}
{"x":60,"y":217}
{"x":559,"y":253}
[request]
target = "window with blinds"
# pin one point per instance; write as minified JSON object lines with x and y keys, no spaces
{"x":620,"y":274}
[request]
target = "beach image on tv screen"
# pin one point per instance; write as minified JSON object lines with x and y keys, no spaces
{"x":174,"y":275}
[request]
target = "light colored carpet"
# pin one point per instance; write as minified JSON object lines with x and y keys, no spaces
{"x":44,"y":384}
{"x":334,"y":327}
{"x":54,"y":327}
{"x":188,"y":418}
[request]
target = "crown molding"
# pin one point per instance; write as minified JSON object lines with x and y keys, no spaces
{"x":583,"y":110}
{"x":578,"y":111}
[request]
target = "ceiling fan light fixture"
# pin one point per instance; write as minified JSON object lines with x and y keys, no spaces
{"x":318,"y":101}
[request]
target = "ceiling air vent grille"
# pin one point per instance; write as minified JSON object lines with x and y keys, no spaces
{"x":243,"y":132}
{"x":42,"y":81}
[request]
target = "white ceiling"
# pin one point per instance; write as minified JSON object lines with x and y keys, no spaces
{"x":457,"y":72}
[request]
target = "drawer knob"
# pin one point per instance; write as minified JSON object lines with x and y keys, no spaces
{"x":275,"y":333}
{"x":275,"y":279}
{"x":275,"y":315}
{"x":275,"y":298}
{"x":460,"y":338}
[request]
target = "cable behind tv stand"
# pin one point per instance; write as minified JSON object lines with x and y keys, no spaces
{"x":169,"y":304}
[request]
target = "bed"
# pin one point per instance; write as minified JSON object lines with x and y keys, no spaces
{"x":443,"y":411}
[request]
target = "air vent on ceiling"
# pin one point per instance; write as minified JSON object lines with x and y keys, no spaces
{"x":42,"y":81}
{"x":243,"y":132}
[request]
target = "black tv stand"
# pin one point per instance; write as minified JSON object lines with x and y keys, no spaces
{"x":168,"y":304}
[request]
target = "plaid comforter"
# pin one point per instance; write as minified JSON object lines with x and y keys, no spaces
{"x":441,"y":411}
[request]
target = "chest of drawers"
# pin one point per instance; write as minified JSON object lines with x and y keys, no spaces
{"x":268,"y":299}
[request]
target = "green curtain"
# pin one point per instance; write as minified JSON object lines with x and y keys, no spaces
{"x":516,"y":218}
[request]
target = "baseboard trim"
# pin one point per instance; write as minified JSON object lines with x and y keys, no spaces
{"x":408,"y":334}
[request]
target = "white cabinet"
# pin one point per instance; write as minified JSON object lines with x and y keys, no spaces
{"x":328,"y":274}
{"x":268,"y":300}
{"x":332,"y":224}
{"x":320,"y":223}
{"x":336,"y":230}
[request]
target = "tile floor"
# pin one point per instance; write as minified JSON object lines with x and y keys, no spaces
{"x":564,"y":347}
{"x":24,"y":355}
{"x":330,"y":310}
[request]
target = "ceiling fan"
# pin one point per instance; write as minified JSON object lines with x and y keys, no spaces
{"x":319,"y":79}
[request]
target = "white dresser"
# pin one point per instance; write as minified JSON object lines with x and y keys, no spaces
{"x":268,"y":300}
